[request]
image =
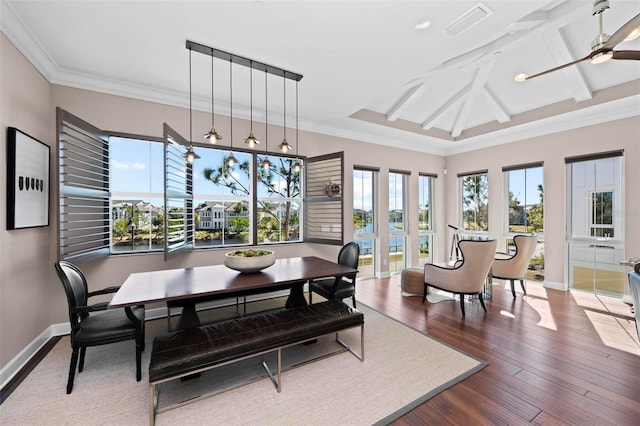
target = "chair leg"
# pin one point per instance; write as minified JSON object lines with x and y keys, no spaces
{"x":139,"y":346}
{"x":83,"y":351}
{"x":524,"y":290}
{"x":513,"y":289}
{"x":482,"y":301}
{"x":354,"y":301}
{"x":310,"y":297}
{"x":72,"y":369}
{"x":424,"y":294}
{"x":462,"y":304}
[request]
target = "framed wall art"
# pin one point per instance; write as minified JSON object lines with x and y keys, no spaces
{"x":27,"y":181}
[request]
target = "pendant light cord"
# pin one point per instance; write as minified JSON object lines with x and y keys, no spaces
{"x":231,"y":100}
{"x":190,"y":106}
{"x":213,"y":121}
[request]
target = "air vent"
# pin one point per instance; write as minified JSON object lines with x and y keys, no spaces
{"x":471,"y":17}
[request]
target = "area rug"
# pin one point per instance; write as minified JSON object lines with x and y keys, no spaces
{"x":402,"y":369}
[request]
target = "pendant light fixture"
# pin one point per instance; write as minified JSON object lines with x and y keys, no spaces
{"x":266,"y":164}
{"x":212,"y":135}
{"x":298,"y":165}
{"x":231,"y":160}
{"x":190,"y":155}
{"x":284,"y":146}
{"x":251,"y":140}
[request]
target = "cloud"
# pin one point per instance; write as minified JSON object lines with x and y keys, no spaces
{"x":128,"y":165}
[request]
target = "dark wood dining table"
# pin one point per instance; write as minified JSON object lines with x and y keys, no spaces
{"x":192,"y":285}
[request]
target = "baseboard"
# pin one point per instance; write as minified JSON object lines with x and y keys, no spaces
{"x":13,"y":367}
{"x":555,"y":285}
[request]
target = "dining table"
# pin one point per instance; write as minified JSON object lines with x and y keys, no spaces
{"x":189,"y":286}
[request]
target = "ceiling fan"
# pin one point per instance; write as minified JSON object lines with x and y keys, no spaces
{"x":602,"y":46}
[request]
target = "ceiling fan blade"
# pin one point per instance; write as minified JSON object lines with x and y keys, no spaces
{"x":622,"y":32}
{"x":633,"y":55}
{"x":559,"y":68}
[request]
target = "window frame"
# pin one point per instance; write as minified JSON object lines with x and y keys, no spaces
{"x":429,"y":232}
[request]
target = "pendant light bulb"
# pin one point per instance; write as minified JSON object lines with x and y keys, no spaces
{"x":266,"y":164}
{"x":231,"y":160}
{"x":190,"y":155}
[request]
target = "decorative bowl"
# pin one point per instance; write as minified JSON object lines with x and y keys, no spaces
{"x":248,"y":261}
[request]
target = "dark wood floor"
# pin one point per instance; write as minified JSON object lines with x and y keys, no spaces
{"x":547,"y":360}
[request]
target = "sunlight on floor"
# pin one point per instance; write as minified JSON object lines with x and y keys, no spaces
{"x":611,"y":319}
{"x":537,"y":298}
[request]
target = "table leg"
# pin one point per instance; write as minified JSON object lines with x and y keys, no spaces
{"x":296,"y":296}
{"x":189,"y":317}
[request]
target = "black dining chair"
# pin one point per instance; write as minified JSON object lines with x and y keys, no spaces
{"x":339,"y":287}
{"x":89,"y":328}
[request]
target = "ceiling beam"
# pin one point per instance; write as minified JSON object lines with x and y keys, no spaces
{"x":557,"y":17}
{"x":428,"y":123}
{"x":479,"y":80}
{"x":405,"y":101}
{"x":498,"y":110}
{"x":573,"y":78}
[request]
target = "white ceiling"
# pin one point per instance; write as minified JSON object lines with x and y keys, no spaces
{"x":368,"y":73}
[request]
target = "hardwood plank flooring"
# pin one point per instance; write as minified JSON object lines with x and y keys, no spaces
{"x":555,"y":357}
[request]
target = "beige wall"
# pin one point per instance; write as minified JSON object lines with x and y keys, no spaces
{"x":27,"y":284}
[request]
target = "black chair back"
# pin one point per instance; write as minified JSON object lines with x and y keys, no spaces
{"x":349,"y":255}
{"x":75,"y":287}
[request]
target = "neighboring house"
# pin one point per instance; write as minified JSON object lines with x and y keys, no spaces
{"x":212,"y":215}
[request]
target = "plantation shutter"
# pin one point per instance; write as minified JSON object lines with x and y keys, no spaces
{"x":324,"y":201}
{"x":178,"y":195}
{"x":83,"y":178}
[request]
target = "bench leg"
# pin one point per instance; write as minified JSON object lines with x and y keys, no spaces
{"x":153,"y":403}
{"x":276,"y":382}
{"x":347,"y":347}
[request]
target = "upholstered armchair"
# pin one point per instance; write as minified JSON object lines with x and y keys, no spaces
{"x":514,"y":267}
{"x":467,"y":276}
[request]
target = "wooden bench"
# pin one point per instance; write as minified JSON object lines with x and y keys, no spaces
{"x":186,"y":352}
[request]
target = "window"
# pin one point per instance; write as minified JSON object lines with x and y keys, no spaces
{"x":525,"y":210}
{"x":397,"y":220}
{"x":474,"y":188}
{"x":425,"y":219}
{"x":137,"y":195}
{"x":279,"y":201}
{"x":222,"y":198}
{"x":602,"y":214}
{"x":364,"y":218}
{"x":525,"y":198}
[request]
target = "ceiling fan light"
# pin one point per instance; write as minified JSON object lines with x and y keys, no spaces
{"x":602,"y":57}
{"x":521,"y":77}
{"x":634,"y":34}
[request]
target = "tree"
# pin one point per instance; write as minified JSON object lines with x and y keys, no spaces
{"x":536,"y":213}
{"x":475,"y":200}
{"x":158,"y":223}
{"x":280,"y":180}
